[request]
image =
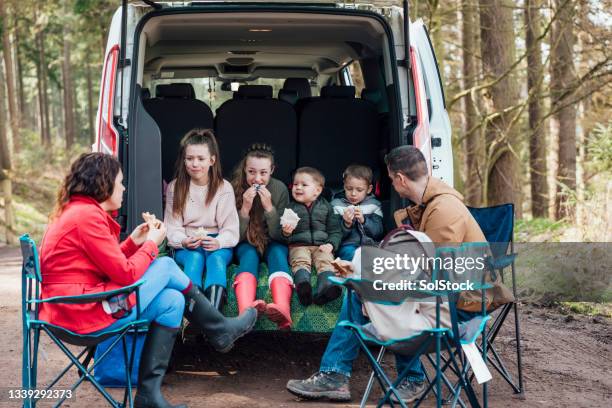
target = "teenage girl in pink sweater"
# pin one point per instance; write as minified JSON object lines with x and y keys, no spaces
{"x":201,"y":215}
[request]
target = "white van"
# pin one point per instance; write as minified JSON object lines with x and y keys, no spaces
{"x":325,"y":84}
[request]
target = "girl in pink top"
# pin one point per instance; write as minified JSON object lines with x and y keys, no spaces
{"x":201,"y":215}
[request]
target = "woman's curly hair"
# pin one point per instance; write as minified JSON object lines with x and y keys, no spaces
{"x":257,"y":232}
{"x":92,"y":175}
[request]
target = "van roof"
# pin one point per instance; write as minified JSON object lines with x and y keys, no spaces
{"x":313,"y":3}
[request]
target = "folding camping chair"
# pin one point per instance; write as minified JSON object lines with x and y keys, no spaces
{"x":31,"y":279}
{"x":497,"y":224}
{"x":424,"y":342}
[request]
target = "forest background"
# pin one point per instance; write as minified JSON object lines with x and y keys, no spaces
{"x":528,"y":85}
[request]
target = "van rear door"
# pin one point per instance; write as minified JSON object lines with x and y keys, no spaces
{"x":114,"y":107}
{"x":439,"y":122}
{"x":114,"y":86}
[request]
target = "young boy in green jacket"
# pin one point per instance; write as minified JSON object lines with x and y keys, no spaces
{"x":314,"y":239}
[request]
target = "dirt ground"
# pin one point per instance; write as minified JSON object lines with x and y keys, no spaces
{"x":567,"y":362}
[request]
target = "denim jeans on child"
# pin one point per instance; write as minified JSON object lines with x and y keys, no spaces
{"x":198,"y":262}
{"x":343,"y":347}
{"x":275,"y":256}
{"x":346,"y":252}
{"x":161,"y":299}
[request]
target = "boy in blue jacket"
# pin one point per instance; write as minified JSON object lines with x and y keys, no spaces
{"x":362,"y":222}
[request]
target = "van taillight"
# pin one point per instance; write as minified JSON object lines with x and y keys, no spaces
{"x":107,"y":134}
{"x":421,"y":136}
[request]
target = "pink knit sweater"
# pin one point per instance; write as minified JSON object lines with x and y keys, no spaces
{"x":219,"y":217}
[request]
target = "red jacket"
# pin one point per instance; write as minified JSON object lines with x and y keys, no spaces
{"x":80,"y":254}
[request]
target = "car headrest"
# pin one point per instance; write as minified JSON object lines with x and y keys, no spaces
{"x":300,"y":85}
{"x":178,"y":90}
{"x":372,"y":95}
{"x":254,"y":91}
{"x":333,"y":91}
{"x":288,"y":95}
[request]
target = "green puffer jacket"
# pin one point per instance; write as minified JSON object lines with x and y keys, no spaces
{"x":317,"y":226}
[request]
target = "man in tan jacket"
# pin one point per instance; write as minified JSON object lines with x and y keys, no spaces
{"x":439,"y":212}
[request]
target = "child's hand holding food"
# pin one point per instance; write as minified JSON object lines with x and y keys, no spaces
{"x":190,"y":243}
{"x":247,"y":201}
{"x":347,"y":216}
{"x":266,"y":198}
{"x":288,"y":229}
{"x":359,"y":215}
{"x":210,"y":243}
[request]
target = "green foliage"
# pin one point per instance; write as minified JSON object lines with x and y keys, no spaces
{"x":29,"y":219}
{"x":600,"y":148}
{"x":553,"y":272}
{"x":527,"y":230}
{"x":588,"y":308}
{"x":39,"y":171}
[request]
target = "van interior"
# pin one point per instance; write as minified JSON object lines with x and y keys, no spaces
{"x":317,"y":87}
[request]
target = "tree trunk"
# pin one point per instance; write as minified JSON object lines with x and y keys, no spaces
{"x":69,"y":121}
{"x":44,"y":134}
{"x":76,"y":112}
{"x":90,"y":107}
{"x":502,"y":184}
{"x":56,"y":106}
{"x":435,"y":28}
{"x":45,"y":124}
{"x":5,"y":169}
{"x":22,"y":106}
{"x":564,"y":121}
{"x":472,"y":145}
{"x":10,"y":76}
{"x":537,"y":135}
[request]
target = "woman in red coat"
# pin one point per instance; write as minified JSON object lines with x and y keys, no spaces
{"x":80,"y":254}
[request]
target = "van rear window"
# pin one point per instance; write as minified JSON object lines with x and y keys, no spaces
{"x":213,"y":93}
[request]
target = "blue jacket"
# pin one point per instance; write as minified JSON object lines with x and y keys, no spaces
{"x":360,"y":234}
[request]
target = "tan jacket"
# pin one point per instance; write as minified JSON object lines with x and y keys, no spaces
{"x":446,"y":220}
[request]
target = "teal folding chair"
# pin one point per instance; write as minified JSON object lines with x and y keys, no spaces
{"x":32,"y":327}
{"x":429,"y":343}
{"x":497,"y":224}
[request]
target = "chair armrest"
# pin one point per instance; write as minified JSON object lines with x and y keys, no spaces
{"x":93,"y":297}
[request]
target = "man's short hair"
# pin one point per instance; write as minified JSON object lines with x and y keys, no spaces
{"x":316,"y":175}
{"x":407,"y":160}
{"x":359,"y":172}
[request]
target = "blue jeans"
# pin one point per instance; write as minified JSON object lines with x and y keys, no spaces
{"x":197,"y":261}
{"x":248,"y":258}
{"x":343,"y":347}
{"x":161,"y":300}
{"x":347,"y":252}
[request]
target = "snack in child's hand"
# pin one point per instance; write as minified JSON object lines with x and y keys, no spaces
{"x":289,"y":217}
{"x":342,"y":267}
{"x":151,"y":220}
{"x":200,"y":233}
